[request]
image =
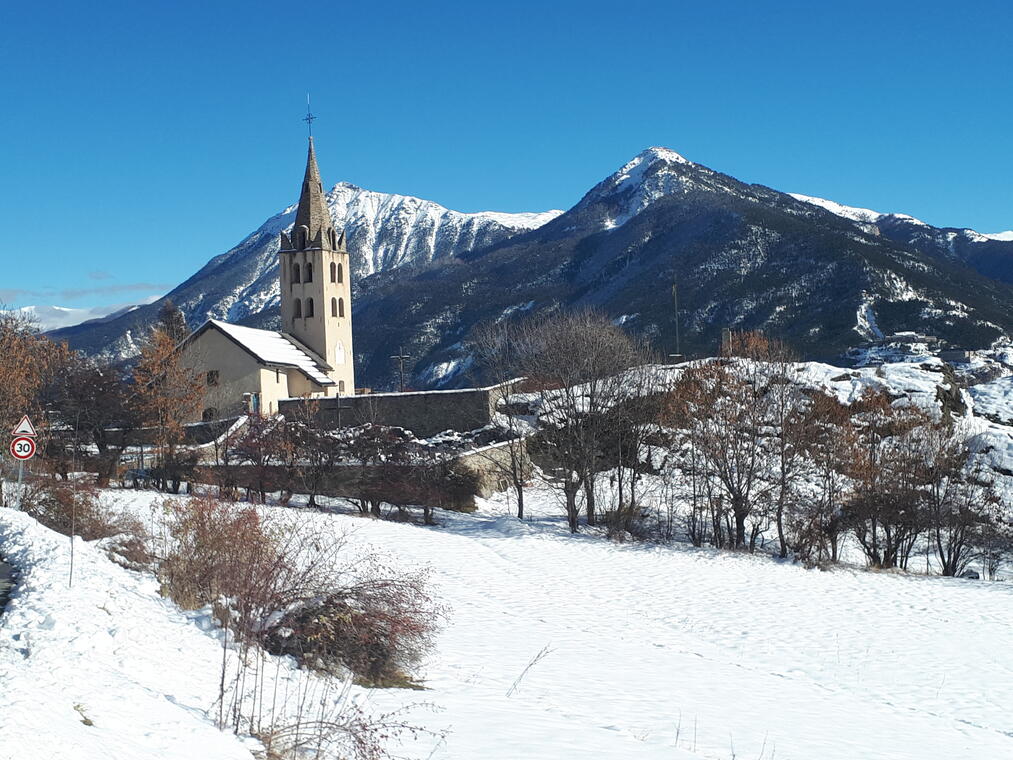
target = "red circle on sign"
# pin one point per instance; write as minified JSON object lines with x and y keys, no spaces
{"x":23,"y":447}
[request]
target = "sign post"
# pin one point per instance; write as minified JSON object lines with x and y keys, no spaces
{"x":23,"y":448}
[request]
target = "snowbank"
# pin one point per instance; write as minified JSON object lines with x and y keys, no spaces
{"x":103,"y":669}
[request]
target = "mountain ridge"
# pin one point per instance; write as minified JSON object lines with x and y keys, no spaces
{"x":745,"y":255}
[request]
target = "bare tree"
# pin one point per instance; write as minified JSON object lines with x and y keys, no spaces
{"x":28,"y":363}
{"x":579,"y":362}
{"x":91,"y":400}
{"x":994,"y":537}
{"x":167,"y":395}
{"x":956,"y":497}
{"x":885,"y":511}
{"x":171,"y":321}
{"x":496,"y":349}
{"x":721,"y":404}
{"x":816,"y":526}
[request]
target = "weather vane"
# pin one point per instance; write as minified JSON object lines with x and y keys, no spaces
{"x":309,"y":117}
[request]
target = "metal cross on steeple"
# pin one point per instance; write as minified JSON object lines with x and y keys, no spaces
{"x":309,"y":118}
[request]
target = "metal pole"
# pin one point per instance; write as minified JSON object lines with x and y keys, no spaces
{"x":21,"y":474}
{"x":73,"y":500}
{"x":675,"y":301}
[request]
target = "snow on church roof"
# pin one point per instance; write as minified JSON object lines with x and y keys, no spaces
{"x":272,"y":347}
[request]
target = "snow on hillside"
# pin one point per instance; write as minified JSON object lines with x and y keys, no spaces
{"x":867,"y":216}
{"x":994,"y":399}
{"x":53,"y":317}
{"x":389,"y":230}
{"x":650,"y":652}
{"x":853,"y":213}
{"x":108,"y":650}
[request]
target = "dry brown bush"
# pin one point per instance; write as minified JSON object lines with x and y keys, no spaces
{"x":379,"y":629}
{"x":219,"y":550}
{"x":289,"y":589}
{"x":74,"y":508}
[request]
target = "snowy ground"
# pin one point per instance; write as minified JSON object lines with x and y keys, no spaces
{"x":652,"y":652}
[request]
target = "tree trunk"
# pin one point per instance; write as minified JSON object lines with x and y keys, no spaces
{"x":740,"y":528}
{"x":570,"y":489}
{"x":589,"y":499}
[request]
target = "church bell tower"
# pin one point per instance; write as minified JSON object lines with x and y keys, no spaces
{"x":316,"y":294}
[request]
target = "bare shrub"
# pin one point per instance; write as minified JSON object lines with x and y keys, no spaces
{"x":73,"y":508}
{"x":219,"y":550}
{"x":288,"y":589}
{"x":342,"y":729}
{"x":284,"y":587}
{"x":378,"y":629}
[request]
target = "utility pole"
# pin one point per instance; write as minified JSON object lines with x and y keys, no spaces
{"x":675,"y":306}
{"x":401,"y":358}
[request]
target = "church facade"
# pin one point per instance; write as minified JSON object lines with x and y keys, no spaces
{"x":248,"y":370}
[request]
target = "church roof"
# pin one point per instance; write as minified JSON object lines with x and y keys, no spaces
{"x":312,"y":212}
{"x":271,"y":347}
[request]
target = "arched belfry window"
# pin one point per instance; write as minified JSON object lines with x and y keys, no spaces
{"x":295,"y":273}
{"x":334,"y":272}
{"x":334,"y":307}
{"x":309,"y":272}
{"x":309,"y":307}
{"x":341,"y":273}
{"x":341,"y":307}
{"x":297,"y":309}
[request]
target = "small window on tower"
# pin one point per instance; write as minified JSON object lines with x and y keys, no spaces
{"x":334,"y":272}
{"x":212,"y":377}
{"x":295,"y":273}
{"x":341,"y":386}
{"x":341,"y":273}
{"x":309,"y":307}
{"x":309,"y":272}
{"x":334,"y":307}
{"x":341,"y":307}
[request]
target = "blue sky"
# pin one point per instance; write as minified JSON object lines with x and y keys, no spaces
{"x":139,"y":139}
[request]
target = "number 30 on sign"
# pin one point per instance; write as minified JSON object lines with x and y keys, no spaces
{"x":23,"y":447}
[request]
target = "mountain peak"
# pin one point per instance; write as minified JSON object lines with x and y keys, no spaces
{"x":659,"y":153}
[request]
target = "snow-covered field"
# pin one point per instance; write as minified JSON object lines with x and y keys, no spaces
{"x":650,"y":652}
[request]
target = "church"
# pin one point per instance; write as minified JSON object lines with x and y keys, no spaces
{"x":247,"y":370}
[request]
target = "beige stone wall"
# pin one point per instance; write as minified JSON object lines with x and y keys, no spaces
{"x":238,"y":372}
{"x":490,"y":465}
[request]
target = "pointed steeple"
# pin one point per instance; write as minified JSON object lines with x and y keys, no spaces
{"x":313,"y":227}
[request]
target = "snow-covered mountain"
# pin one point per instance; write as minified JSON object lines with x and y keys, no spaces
{"x":988,"y":253}
{"x":385,"y":231}
{"x":48,"y":318}
{"x":868,"y":216}
{"x":820,"y":275}
{"x":744,"y":256}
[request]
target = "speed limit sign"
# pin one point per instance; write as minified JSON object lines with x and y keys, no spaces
{"x":23,"y":447}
